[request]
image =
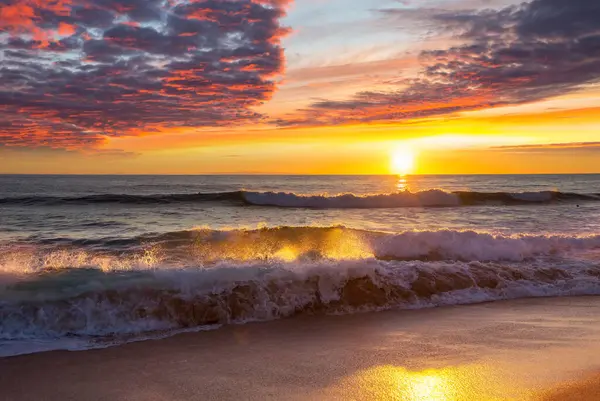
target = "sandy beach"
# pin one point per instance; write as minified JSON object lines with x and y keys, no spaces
{"x":532,"y":349}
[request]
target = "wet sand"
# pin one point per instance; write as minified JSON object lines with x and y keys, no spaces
{"x":535,"y":349}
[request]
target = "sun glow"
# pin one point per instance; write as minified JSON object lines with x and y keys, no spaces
{"x":403,"y":161}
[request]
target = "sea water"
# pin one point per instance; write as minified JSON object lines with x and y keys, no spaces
{"x":91,"y":261}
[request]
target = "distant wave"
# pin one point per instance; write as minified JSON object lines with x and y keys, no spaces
{"x":430,"y":198}
{"x":115,"y":290}
{"x":124,"y":199}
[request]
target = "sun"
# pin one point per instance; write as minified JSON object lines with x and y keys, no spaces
{"x":403,"y":161}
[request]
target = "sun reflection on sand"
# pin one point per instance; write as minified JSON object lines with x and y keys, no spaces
{"x":427,"y":387}
{"x":447,"y":384}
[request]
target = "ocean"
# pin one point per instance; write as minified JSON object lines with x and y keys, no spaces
{"x":97,"y":261}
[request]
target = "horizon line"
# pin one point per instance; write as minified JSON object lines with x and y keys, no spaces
{"x":288,"y":175}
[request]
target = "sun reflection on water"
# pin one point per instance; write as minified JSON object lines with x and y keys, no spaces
{"x":402,"y":184}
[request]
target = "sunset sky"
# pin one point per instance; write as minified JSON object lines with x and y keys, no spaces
{"x":299,"y":86}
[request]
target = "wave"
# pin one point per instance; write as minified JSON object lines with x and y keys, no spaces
{"x":104,"y":291}
{"x":206,"y":247}
{"x":101,"y":306}
{"x":236,"y":196}
{"x":429,"y":198}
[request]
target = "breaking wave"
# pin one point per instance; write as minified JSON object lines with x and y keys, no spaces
{"x":101,"y":291}
{"x":430,"y":198}
{"x":95,"y":304}
{"x":206,"y":246}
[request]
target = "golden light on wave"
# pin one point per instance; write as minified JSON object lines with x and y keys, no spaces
{"x":403,"y":161}
{"x":286,"y":254}
{"x":281,"y":244}
{"x":337,"y":244}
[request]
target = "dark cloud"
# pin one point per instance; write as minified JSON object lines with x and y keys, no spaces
{"x":515,"y":55}
{"x":76,"y":71}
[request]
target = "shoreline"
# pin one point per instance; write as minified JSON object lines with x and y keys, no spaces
{"x":538,"y":349}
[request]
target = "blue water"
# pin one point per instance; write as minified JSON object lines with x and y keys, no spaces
{"x":20,"y":220}
{"x":89,"y":261}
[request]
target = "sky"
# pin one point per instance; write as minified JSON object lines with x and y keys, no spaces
{"x":299,"y":86}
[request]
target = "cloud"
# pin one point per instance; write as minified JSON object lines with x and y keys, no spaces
{"x":510,"y":56}
{"x":77,"y":71}
{"x":535,"y":148}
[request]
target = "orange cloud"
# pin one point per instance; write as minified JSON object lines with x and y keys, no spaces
{"x":65,"y":29}
{"x":130,"y":77}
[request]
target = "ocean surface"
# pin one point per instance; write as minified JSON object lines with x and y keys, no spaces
{"x":95,"y":261}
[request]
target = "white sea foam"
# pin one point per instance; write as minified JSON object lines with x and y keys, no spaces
{"x":169,"y":300}
{"x":473,"y":246}
{"x":429,"y":198}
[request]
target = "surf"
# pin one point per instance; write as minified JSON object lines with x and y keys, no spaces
{"x":99,"y":291}
{"x":120,"y":305}
{"x":428,"y":198}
